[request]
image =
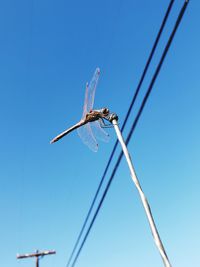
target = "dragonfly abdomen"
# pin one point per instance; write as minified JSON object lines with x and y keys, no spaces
{"x":58,"y":137}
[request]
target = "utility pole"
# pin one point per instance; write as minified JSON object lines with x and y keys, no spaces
{"x":38,"y":254}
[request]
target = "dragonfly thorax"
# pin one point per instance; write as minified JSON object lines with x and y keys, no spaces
{"x":94,"y":115}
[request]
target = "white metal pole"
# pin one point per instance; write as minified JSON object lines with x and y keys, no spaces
{"x":142,"y":196}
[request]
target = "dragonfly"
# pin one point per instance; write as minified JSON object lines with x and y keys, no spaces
{"x":92,"y":122}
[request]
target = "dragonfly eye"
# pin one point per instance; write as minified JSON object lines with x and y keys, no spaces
{"x":105,"y":111}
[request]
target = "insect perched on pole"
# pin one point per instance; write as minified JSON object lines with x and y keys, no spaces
{"x":98,"y":116}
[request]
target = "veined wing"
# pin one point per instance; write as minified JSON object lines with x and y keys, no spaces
{"x":85,"y":102}
{"x":90,"y":93}
{"x":86,"y":135}
{"x":99,"y":132}
{"x":92,"y":88}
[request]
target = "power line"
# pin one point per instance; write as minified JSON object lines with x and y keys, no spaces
{"x":181,"y":13}
{"x":125,"y":121}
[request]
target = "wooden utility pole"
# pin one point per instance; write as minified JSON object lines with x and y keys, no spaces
{"x":38,"y":254}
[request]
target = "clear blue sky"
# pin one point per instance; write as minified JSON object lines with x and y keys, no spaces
{"x":48,"y":51}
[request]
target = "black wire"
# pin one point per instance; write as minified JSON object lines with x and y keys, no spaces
{"x":125,"y":121}
{"x":181,"y":13}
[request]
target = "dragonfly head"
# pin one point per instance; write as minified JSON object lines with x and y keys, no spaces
{"x":105,"y":111}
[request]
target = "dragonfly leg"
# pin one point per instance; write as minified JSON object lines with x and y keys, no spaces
{"x":104,"y":125}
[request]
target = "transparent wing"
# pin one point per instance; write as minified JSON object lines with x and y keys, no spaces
{"x":91,"y":89}
{"x":99,"y":132}
{"x":85,"y":102}
{"x":85,"y":132}
{"x":90,"y":93}
{"x":86,"y":135}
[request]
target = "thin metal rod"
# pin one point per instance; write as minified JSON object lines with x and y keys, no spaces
{"x":142,"y":196}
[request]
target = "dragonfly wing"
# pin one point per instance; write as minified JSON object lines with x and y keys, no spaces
{"x":91,"y":90}
{"x":86,"y":135}
{"x":90,"y":93}
{"x":85,"y":102}
{"x":99,"y":132}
